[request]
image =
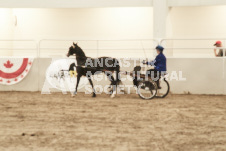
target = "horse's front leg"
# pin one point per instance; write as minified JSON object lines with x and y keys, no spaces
{"x":91,"y":83}
{"x":76,"y":88}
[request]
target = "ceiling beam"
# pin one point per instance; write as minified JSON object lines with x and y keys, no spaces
{"x":174,"y":3}
{"x":73,"y":3}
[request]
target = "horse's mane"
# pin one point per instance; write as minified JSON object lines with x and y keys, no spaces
{"x":80,"y":52}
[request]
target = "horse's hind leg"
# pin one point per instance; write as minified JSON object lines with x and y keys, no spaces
{"x":118,"y":78}
{"x":111,"y":79}
{"x":117,"y":70}
{"x":113,"y":83}
{"x":116,"y":82}
{"x":91,"y":83}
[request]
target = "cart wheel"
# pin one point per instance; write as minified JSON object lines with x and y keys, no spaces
{"x":147,"y":89}
{"x":163,"y":89}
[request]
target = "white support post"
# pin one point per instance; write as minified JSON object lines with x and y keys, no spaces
{"x":160,"y":9}
{"x":161,"y":26}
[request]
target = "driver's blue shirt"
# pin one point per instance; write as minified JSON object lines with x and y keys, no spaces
{"x":159,"y":62}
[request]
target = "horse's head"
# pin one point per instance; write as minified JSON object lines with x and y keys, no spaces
{"x":73,"y":49}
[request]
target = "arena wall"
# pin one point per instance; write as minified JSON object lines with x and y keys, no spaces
{"x":197,"y":22}
{"x":203,"y":76}
{"x":77,"y":23}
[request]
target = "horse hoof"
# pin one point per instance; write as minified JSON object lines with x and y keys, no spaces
{"x":73,"y":94}
{"x":124,"y":92}
{"x":110,"y":89}
{"x":113,"y":96}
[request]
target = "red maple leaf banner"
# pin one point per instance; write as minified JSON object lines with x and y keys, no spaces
{"x":8,"y":64}
{"x":14,"y":70}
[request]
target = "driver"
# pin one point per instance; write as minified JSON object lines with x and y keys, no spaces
{"x":159,"y":65}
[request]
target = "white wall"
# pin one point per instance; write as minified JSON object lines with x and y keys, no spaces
{"x":202,"y":76}
{"x":196,"y":23}
{"x":77,"y":24}
{"x":206,"y":21}
{"x":6,"y":23}
{"x":84,"y":23}
{"x":6,"y":30}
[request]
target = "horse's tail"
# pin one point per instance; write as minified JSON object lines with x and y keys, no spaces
{"x":72,"y":67}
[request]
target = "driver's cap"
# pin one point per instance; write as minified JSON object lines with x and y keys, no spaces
{"x":160,"y":48}
{"x":217,"y":43}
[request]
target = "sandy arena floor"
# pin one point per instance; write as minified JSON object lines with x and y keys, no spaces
{"x":31,"y":121}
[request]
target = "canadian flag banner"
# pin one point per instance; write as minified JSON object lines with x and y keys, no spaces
{"x":13,"y":70}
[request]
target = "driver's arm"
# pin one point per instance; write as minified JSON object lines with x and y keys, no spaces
{"x":215,"y":52}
